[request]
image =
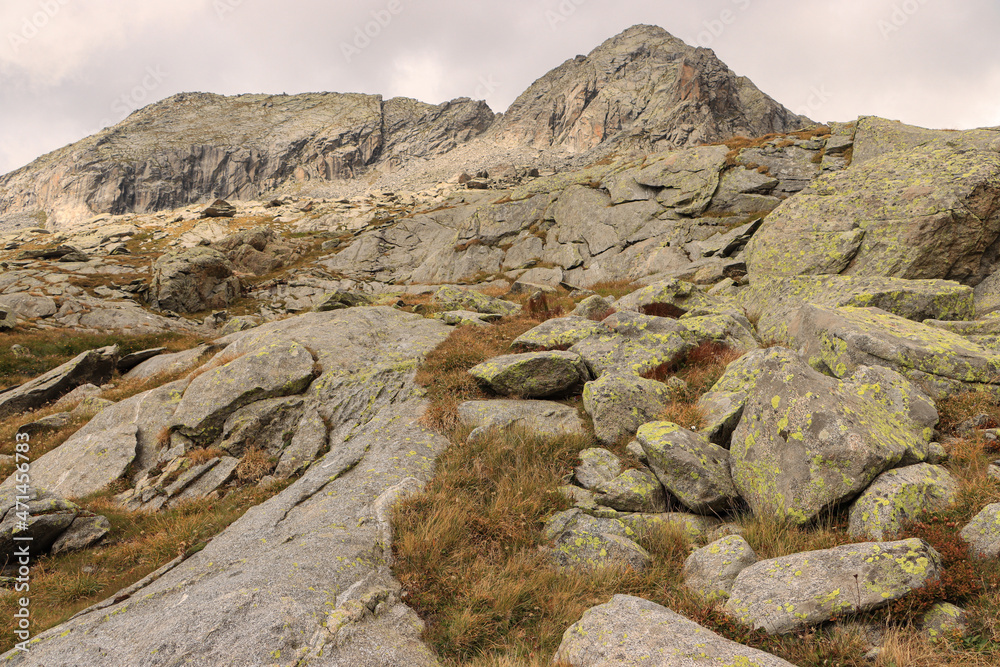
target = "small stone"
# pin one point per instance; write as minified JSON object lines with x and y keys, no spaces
{"x":712,"y":570}
{"x":597,"y":466}
{"x":944,"y":620}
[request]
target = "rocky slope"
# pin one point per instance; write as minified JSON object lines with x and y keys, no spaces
{"x":643,"y":89}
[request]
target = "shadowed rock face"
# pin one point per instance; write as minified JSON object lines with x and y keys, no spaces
{"x":642,"y":88}
{"x":197,"y":145}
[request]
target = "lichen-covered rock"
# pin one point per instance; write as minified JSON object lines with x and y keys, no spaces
{"x":455,"y":298}
{"x":691,"y":468}
{"x":594,"y":308}
{"x":775,"y":299}
{"x":559,"y":333}
{"x":898,"y":395}
{"x":83,"y":533}
{"x":632,"y":632}
{"x":783,"y":594}
{"x":633,"y":491}
{"x":48,"y":516}
{"x":270,"y":371}
{"x":619,"y":403}
{"x":638,"y":356}
{"x":584,"y":542}
{"x":193,"y":280}
{"x":983,"y":532}
{"x":945,"y":621}
{"x":723,"y":404}
{"x":712,"y":570}
{"x":693,"y":526}
{"x":842,"y":339}
{"x":533,"y":374}
{"x":930,"y":212}
{"x":546,"y":418}
{"x":596,"y":467}
{"x":901,"y":495}
{"x":807,"y":442}
{"x":671,"y":298}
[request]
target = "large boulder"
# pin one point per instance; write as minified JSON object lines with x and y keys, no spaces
{"x":546,"y":418}
{"x":559,"y":333}
{"x":582,"y":542}
{"x":899,"y":496}
{"x":807,"y":442}
{"x":712,"y":570}
{"x":619,"y":403}
{"x":930,"y":212}
{"x":638,"y":356}
{"x":92,"y":367}
{"x":193,"y":280}
{"x":691,"y":468}
{"x":781,"y":595}
{"x":775,"y":299}
{"x":632,"y":632}
{"x":533,"y":374}
{"x":840,"y":340}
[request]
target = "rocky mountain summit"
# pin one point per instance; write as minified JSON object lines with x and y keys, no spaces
{"x":695,"y":385}
{"x":642,"y":89}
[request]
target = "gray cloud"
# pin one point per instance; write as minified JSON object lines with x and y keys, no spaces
{"x":69,"y":66}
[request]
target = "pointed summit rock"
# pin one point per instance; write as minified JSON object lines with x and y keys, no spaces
{"x":642,"y":88}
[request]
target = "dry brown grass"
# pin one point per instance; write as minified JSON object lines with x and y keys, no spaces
{"x":255,"y":464}
{"x":204,"y":455}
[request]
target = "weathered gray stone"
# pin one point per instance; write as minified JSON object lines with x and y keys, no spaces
{"x":632,"y":632}
{"x":983,"y":532}
{"x":620,"y":403}
{"x":130,"y":361}
{"x":579,"y":548}
{"x":83,"y":533}
{"x":636,"y":356}
{"x":633,"y":491}
{"x":309,"y":439}
{"x":178,"y":362}
{"x":28,"y":306}
{"x":49,"y":423}
{"x":671,"y":298}
{"x":559,"y":333}
{"x":341,"y":300}
{"x":49,"y":515}
{"x":691,"y":468}
{"x":454,"y":298}
{"x":712,"y":570}
{"x":271,"y":371}
{"x":901,"y":495}
{"x":533,"y":374}
{"x":93,"y":367}
{"x":205,"y":482}
{"x":288,"y":576}
{"x":594,"y":308}
{"x":783,"y":594}
{"x":193,"y":280}
{"x":596,"y":467}
{"x":945,"y":621}
{"x":842,"y":339}
{"x":545,"y":418}
{"x":807,"y":442}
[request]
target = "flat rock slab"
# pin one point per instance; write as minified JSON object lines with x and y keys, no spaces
{"x":270,"y":371}
{"x":783,"y":594}
{"x":92,"y":367}
{"x":777,"y":298}
{"x":292,"y":576}
{"x":539,"y":417}
{"x":632,"y":632}
{"x":638,"y":356}
{"x":533,"y":374}
{"x":841,"y":339}
{"x":85,"y":463}
{"x":559,"y":333}
{"x":900,"y":496}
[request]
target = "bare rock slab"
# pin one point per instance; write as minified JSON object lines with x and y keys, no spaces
{"x":632,"y":632}
{"x":270,"y":371}
{"x":92,"y":367}
{"x":783,"y":594}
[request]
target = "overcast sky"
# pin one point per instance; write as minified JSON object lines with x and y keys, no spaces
{"x":70,"y":67}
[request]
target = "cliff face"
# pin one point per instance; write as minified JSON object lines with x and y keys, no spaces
{"x":195,"y":146}
{"x":642,"y":88}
